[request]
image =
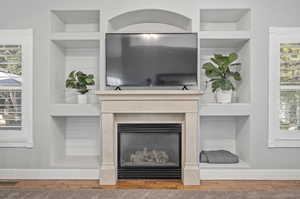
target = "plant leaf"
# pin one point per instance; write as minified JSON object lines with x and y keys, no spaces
{"x":218,"y":59}
{"x":91,"y":76}
{"x":71,"y":75}
{"x":211,"y":70}
{"x":235,"y":75}
{"x":232,"y":57}
{"x":89,"y":81}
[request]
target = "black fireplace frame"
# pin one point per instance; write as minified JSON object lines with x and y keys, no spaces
{"x":150,"y":172}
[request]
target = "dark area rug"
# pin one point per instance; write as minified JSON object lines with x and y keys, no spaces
{"x":147,"y":194}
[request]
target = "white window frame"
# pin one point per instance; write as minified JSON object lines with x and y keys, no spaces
{"x":277,"y":137}
{"x":23,"y":137}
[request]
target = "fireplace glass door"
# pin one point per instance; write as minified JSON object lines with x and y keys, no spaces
{"x":149,"y":151}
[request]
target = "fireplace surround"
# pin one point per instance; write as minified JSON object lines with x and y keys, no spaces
{"x":146,"y":107}
{"x":149,"y":151}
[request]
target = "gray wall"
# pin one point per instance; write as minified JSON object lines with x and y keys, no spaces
{"x":35,"y":14}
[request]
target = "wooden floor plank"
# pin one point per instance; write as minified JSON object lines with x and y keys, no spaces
{"x":152,"y":184}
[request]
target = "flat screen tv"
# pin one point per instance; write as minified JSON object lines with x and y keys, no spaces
{"x":148,"y":59}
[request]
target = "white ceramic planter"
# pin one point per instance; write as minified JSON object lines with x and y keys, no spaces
{"x":223,"y":97}
{"x":82,"y":99}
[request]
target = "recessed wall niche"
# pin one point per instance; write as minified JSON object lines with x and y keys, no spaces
{"x":226,"y":133}
{"x":75,"y":20}
{"x":209,"y":47}
{"x":225,"y":20}
{"x":150,"y":20}
{"x":68,"y":55}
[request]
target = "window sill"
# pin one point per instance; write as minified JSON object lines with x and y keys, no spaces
{"x":12,"y":142}
{"x":284,"y":143}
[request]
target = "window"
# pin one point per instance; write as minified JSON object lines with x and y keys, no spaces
{"x":16,"y":88}
{"x":284,"y":87}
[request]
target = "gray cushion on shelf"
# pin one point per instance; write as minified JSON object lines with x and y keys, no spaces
{"x":218,"y":157}
{"x":203,"y":157}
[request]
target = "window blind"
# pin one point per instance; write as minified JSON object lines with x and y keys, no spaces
{"x":10,"y":87}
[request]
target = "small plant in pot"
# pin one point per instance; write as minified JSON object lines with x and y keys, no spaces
{"x":80,"y":81}
{"x":221,"y":76}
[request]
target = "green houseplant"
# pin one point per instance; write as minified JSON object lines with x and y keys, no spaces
{"x":80,"y":81}
{"x":221,"y":76}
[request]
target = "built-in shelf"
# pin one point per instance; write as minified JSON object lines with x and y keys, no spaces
{"x":75,"y":36}
{"x":224,"y":35}
{"x":240,"y":165}
{"x":64,"y":110}
{"x":242,"y":46}
{"x":77,"y":43}
{"x":234,"y":109}
{"x":229,"y":43}
{"x":68,"y":55}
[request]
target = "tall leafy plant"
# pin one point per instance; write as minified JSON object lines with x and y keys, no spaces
{"x":218,"y":70}
{"x":80,"y":81}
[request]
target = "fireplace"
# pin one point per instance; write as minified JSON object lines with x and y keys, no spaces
{"x":149,"y":151}
{"x":162,"y":107}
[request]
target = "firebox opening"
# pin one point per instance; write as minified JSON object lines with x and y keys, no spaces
{"x":149,"y":151}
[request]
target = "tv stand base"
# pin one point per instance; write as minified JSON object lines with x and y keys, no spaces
{"x":184,"y":87}
{"x":118,"y":88}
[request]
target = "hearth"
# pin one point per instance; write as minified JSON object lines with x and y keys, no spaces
{"x":149,"y":151}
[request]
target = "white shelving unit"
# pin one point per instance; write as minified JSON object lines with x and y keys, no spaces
{"x":75,"y":40}
{"x":74,"y":45}
{"x":234,"y":109}
{"x":226,"y":126}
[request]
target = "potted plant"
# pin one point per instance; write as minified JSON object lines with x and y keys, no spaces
{"x":80,"y":81}
{"x":221,"y":76}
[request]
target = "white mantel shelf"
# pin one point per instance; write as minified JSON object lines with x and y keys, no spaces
{"x":148,"y":92}
{"x":142,"y":95}
{"x":150,"y":102}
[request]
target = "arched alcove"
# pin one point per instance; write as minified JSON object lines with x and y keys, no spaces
{"x":140,"y":18}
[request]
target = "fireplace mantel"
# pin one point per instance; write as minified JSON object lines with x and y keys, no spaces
{"x":171,"y":102}
{"x":141,"y":95}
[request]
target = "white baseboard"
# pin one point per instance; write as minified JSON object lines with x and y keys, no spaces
{"x":205,"y":174}
{"x":59,"y":174}
{"x":250,"y":174}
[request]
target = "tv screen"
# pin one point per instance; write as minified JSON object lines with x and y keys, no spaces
{"x":164,"y":59}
